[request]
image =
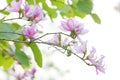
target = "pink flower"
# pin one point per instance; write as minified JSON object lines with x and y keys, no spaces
{"x":33,"y":12}
{"x":14,"y":6}
{"x":82,"y":48}
{"x":57,"y":41}
{"x":97,"y":63}
{"x":99,"y":66}
{"x":72,"y":25}
{"x":29,"y":32}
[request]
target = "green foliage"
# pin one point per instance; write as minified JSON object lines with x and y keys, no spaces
{"x":6,"y":62}
{"x":37,"y":54}
{"x":58,"y":3}
{"x":5,"y":12}
{"x":22,"y":57}
{"x":96,"y":18}
{"x":84,"y":6}
{"x":6,"y":31}
{"x":69,"y":52}
{"x":9,"y":1}
{"x":32,"y":1}
{"x":18,"y":45}
{"x":50,"y":11}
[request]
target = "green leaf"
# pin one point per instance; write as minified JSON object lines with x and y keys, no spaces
{"x":18,"y":45}
{"x":37,"y":54}
{"x":66,"y":10}
{"x":69,"y":52}
{"x":8,"y":63}
{"x":74,"y":1}
{"x":5,"y":12}
{"x":22,"y":57}
{"x":15,"y":26}
{"x":9,"y":1}
{"x":51,"y":11}
{"x":79,"y":14}
{"x":31,"y":2}
{"x":7,"y":31}
{"x":95,"y":18}
{"x":58,"y":3}
{"x":84,"y":6}
{"x":1,"y":60}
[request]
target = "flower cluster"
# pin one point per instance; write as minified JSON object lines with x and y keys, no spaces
{"x":72,"y":26}
{"x":15,"y":6}
{"x":78,"y":46}
{"x":31,"y":13}
{"x":97,"y":63}
{"x":29,"y":32}
{"x":34,"y":13}
{"x":22,"y":75}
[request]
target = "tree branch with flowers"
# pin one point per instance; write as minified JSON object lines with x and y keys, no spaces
{"x":68,"y":41}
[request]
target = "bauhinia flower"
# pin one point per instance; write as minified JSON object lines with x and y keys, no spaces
{"x":96,"y":62}
{"x":29,"y":32}
{"x":82,"y":48}
{"x":57,"y":41}
{"x":30,"y":73}
{"x":34,"y":13}
{"x":15,"y":6}
{"x":73,"y":26}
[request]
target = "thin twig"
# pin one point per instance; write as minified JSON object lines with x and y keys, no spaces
{"x":12,"y":33}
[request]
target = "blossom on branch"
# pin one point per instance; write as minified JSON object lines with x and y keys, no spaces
{"x":14,"y":6}
{"x":29,"y":32}
{"x":97,"y":63}
{"x":33,"y":13}
{"x":71,"y":25}
{"x":57,"y":40}
{"x":82,"y":48}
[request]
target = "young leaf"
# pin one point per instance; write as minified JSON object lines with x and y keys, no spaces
{"x":22,"y":57}
{"x":95,"y":18}
{"x":84,"y":6}
{"x":37,"y":54}
{"x":7,"y":31}
{"x":69,"y":52}
{"x":7,"y":63}
{"x":8,"y":1}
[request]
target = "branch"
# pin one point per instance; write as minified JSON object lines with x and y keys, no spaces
{"x":12,"y":19}
{"x":12,"y":33}
{"x":51,"y":34}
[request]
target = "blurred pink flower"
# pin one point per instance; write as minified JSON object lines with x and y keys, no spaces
{"x":99,"y":66}
{"x":56,"y":40}
{"x":29,"y":32}
{"x":72,"y":25}
{"x":82,"y":48}
{"x":97,"y":63}
{"x":14,"y":6}
{"x":33,"y":12}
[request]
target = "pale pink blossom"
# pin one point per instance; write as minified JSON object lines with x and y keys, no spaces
{"x":15,"y":6}
{"x":30,"y":73}
{"x":72,"y":25}
{"x":82,"y":48}
{"x":56,"y":40}
{"x":99,"y":66}
{"x":96,"y":62}
{"x":33,"y":12}
{"x":29,"y":32}
{"x":92,"y":52}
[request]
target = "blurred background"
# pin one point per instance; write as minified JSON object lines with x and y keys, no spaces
{"x":104,"y":36}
